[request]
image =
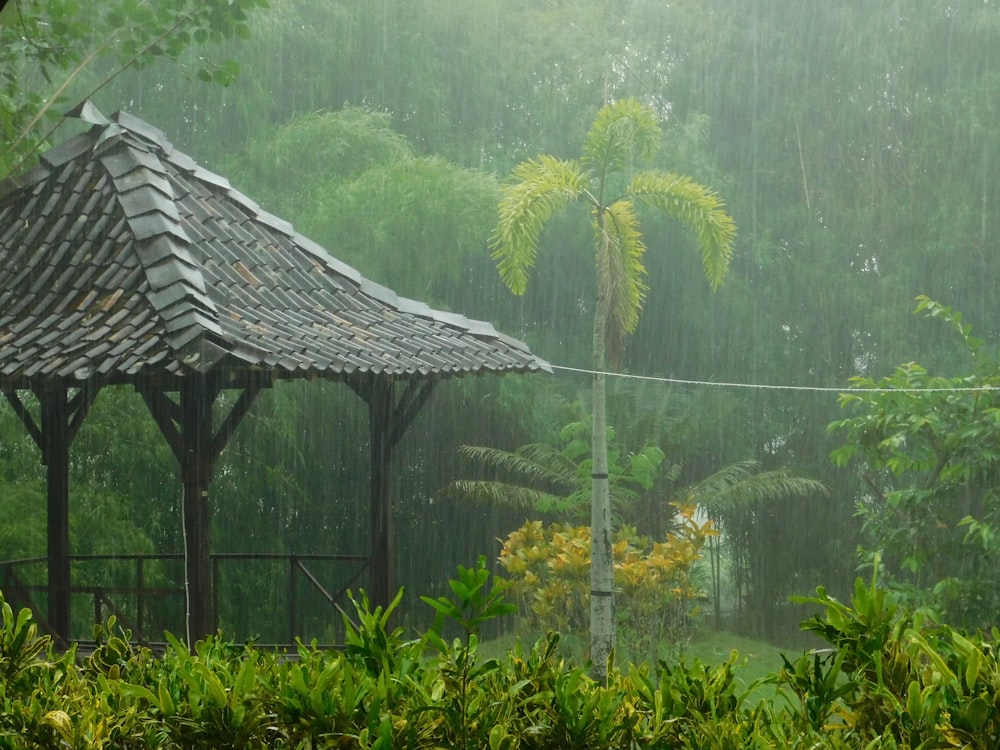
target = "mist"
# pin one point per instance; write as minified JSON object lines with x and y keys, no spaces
{"x":855,"y":147}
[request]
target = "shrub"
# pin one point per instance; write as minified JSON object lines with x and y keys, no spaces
{"x":890,"y":679}
{"x":548,"y":569}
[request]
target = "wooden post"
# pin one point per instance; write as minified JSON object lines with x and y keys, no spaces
{"x":380,"y":410}
{"x":55,"y":455}
{"x":293,"y":599}
{"x":196,"y":471}
{"x":388,"y":421}
{"x":53,"y":433}
{"x":188,"y":427}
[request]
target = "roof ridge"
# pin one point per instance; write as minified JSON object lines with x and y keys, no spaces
{"x":129,"y":150}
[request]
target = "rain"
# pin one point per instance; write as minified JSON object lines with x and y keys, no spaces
{"x":854,"y":146}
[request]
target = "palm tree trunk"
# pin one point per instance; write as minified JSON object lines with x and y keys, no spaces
{"x":602,"y":572}
{"x":715,"y":557}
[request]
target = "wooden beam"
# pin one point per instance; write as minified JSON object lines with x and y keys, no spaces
{"x":79,"y":407}
{"x":167,"y":415}
{"x":25,"y":416}
{"x":380,"y":416}
{"x":405,"y":409}
{"x":235,"y":416}
{"x":59,"y":420}
{"x":388,"y":419}
{"x":410,"y":403}
{"x":188,"y":425}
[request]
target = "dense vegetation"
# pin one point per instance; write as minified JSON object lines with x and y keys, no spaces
{"x":853,"y":143}
{"x":887,"y":680}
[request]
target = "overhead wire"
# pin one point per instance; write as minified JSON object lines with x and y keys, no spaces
{"x":774,"y":387}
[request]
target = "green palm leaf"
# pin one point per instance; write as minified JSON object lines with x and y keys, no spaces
{"x":697,"y":207}
{"x":539,"y":188}
{"x":531,"y":466}
{"x":740,"y":484}
{"x":535,"y":462}
{"x":620,"y":270}
{"x":500,"y":494}
{"x":623,"y":131}
{"x":542,"y":478}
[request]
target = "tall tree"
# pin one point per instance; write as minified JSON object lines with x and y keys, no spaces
{"x":362,"y":191}
{"x":624,"y":132}
{"x":927,"y":448}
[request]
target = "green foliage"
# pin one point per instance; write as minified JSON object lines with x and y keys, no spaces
{"x":890,"y":679}
{"x":623,"y":131}
{"x":928,"y":449}
{"x":363,"y":192}
{"x":210,"y":699}
{"x":370,"y":643}
{"x":697,"y":208}
{"x":623,"y":134}
{"x":466,"y":712}
{"x":45,"y":46}
{"x":20,"y":644}
{"x":539,"y":189}
{"x":320,"y":700}
{"x":657,"y":596}
{"x":555,"y":480}
{"x":473,"y":603}
{"x":894,"y":677}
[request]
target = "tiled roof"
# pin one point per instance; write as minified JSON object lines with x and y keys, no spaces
{"x":120,"y":258}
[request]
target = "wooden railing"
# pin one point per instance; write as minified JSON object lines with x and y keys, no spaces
{"x":147,"y":598}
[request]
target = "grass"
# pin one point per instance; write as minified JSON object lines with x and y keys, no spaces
{"x":757,"y":658}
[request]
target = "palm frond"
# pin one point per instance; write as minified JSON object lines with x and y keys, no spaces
{"x":620,"y":271}
{"x":772,"y":485}
{"x":738,"y":485}
{"x":724,"y":478}
{"x":622,"y":131}
{"x":499,"y":494}
{"x":534,"y":463}
{"x":696,"y":206}
{"x":539,"y":188}
{"x":560,"y":467}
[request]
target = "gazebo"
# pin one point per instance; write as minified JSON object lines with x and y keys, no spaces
{"x":124,"y":262}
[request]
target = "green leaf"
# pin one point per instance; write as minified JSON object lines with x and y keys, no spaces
{"x":246,"y":680}
{"x":540,"y":188}
{"x":444,"y":606}
{"x":165,"y":703}
{"x":622,"y":131}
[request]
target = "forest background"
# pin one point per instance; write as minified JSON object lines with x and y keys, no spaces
{"x":855,"y":144}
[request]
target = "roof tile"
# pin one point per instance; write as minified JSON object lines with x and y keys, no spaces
{"x":121,"y":257}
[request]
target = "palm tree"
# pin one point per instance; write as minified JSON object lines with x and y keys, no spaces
{"x":623,"y":133}
{"x":732,"y":492}
{"x":556,"y":481}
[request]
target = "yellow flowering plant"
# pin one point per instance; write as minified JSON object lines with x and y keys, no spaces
{"x":548,"y":572}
